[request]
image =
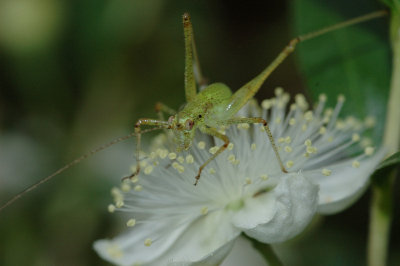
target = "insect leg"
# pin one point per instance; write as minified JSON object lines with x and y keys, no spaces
{"x":138,"y":132}
{"x":215,"y":133}
{"x":258,"y":120}
{"x":246,"y":92}
{"x":190,"y":84}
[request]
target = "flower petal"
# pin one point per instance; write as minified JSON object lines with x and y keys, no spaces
{"x":207,"y":241}
{"x":295,"y":200}
{"x":346,"y":183}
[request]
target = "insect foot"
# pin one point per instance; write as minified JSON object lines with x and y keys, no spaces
{"x":243,"y":190}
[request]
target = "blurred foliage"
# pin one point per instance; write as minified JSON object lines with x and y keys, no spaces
{"x":75,"y":74}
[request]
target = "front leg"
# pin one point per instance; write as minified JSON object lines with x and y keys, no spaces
{"x":158,"y":124}
{"x":213,"y":132}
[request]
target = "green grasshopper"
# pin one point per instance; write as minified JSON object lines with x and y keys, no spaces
{"x":207,"y":110}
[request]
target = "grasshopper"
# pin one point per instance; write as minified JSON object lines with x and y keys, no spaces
{"x":208,"y":109}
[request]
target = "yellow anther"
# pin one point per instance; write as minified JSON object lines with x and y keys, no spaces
{"x":369,"y":151}
{"x":148,"y":169}
{"x":231,"y":158}
{"x":301,"y":101}
{"x":119,"y":203}
{"x":288,"y":149}
{"x":131,"y":222}
{"x":114,"y":251}
{"x":138,"y":188}
{"x":311,"y":149}
{"x":180,"y":159}
{"x":293,"y":107}
{"x":264,"y":177}
{"x":278,"y":120}
{"x":253,"y":147}
{"x":308,"y":142}
{"x":340,"y":124}
{"x":322,"y":130}
{"x":355,"y":164}
{"x":211,"y":171}
{"x":153,"y":155}
{"x":281,"y":140}
{"x":326,"y":172}
{"x":163,"y":153}
{"x":328,"y":112}
{"x":178,"y":167}
{"x":172,"y":155}
{"x":143,"y":163}
{"x":248,"y":180}
{"x":189,"y":159}
{"x":148,"y":242}
{"x":245,"y":126}
{"x":341,"y":98}
{"x":125,"y":187}
{"x":115,"y":192}
{"x":201,"y":145}
{"x":230,"y":146}
{"x":289,"y":164}
{"x":111,"y":208}
{"x":304,"y":127}
{"x":292,"y":121}
{"x":308,"y":116}
{"x":322,"y":98}
{"x":134,"y":179}
{"x":266,"y":104}
{"x":278,"y":91}
{"x":213,"y":150}
{"x":355,"y":137}
{"x":236,"y":162}
{"x":204,"y":210}
{"x":288,"y":140}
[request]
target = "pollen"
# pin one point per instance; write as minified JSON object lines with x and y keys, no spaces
{"x":355,"y":137}
{"x":231,"y":158}
{"x":308,"y":116}
{"x":189,"y":159}
{"x":281,"y":140}
{"x":308,"y":142}
{"x":178,"y":167}
{"x":341,"y":98}
{"x":172,"y":155}
{"x":311,"y":149}
{"x":148,"y":169}
{"x":289,"y":164}
{"x":148,"y":242}
{"x":266,"y":104}
{"x":264,"y":177}
{"x":369,"y":151}
{"x":125,"y":187}
{"x":288,"y":149}
{"x":201,"y":145}
{"x":138,"y":188}
{"x":230,"y":146}
{"x":288,"y":140}
{"x":212,"y":171}
{"x":322,"y":130}
{"x":213,"y":150}
{"x":278,"y":91}
{"x":253,"y":146}
{"x":181,"y":159}
{"x":326,"y":172}
{"x":204,"y":210}
{"x":131,"y":223}
{"x":248,"y":180}
{"x":356,"y":164}
{"x":119,"y":203}
{"x":111,"y":208}
{"x":292,"y":121}
{"x":134,"y":179}
{"x":322,"y":98}
{"x":163,"y":153}
{"x":143,"y":163}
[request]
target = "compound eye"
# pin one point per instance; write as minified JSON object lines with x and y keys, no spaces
{"x":171,"y":119}
{"x":189,"y":124}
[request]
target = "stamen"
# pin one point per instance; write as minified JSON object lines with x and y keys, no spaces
{"x":369,"y":151}
{"x":264,"y":177}
{"x":189,"y":159}
{"x":288,"y":149}
{"x":111,"y":208}
{"x":212,"y":171}
{"x":131,"y":223}
{"x":253,"y":147}
{"x":204,"y":210}
{"x":172,"y":156}
{"x":148,"y":242}
{"x":289,"y":164}
{"x":248,"y":180}
{"x":138,"y":188}
{"x":230,"y":146}
{"x":148,"y":169}
{"x":201,"y":145}
{"x":180,"y":159}
{"x":326,"y":172}
{"x":356,"y":164}
{"x":213,"y":150}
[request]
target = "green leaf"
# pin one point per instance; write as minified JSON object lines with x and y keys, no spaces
{"x":382,"y":172}
{"x":393,"y":4}
{"x":353,"y":61}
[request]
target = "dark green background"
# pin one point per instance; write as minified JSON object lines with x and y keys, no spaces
{"x":80,"y":73}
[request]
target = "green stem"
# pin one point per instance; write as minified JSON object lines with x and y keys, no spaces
{"x":382,"y":188}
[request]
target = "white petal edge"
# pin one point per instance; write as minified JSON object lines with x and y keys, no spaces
{"x":295,"y":205}
{"x":346,"y":184}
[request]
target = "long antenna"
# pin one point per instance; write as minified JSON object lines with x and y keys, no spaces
{"x":72,"y":163}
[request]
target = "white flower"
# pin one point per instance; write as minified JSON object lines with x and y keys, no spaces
{"x":244,"y":190}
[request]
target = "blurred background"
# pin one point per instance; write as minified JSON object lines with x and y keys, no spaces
{"x":76,"y":74}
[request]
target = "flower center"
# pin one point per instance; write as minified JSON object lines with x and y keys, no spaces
{"x":235,"y":205}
